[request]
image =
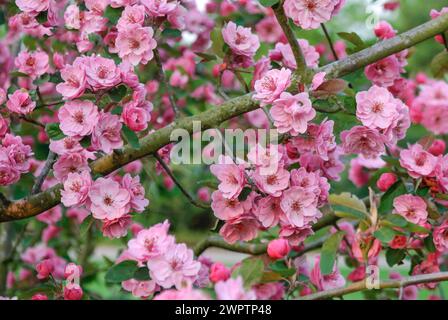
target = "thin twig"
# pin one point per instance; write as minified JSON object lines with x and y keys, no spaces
{"x":45,"y":170}
{"x":163,"y":79}
{"x":32,"y":121}
{"x":330,"y":42}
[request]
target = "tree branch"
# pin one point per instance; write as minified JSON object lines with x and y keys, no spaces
{"x":163,"y":79}
{"x":361,"y":285}
{"x":45,"y":170}
{"x":330,"y":42}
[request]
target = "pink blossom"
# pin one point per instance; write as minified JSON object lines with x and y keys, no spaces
{"x":108,"y":199}
{"x":101,"y":73}
{"x":75,"y":81}
{"x":231,"y":177}
{"x":299,"y":206}
{"x":51,"y":216}
{"x":241,"y":228}
{"x":204,"y":194}
{"x":437,"y":147}
{"x":44,"y":269}
{"x":441,"y":236}
{"x":33,"y":6}
{"x":78,"y":214}
{"x":278,"y":248}
{"x":233,"y":289}
{"x":33,"y":255}
{"x":34,"y":64}
{"x":240,"y":40}
{"x":417,"y":161}
{"x":269,"y":30}
{"x":186,"y":293}
{"x":68,"y":145}
{"x":268,"y":211}
{"x":326,"y":282}
{"x":385,"y":181}
{"x":291,"y":114}
{"x":413,"y":208}
{"x":283,"y":52}
{"x":273,"y":183}
{"x":384,"y":30}
{"x":318,"y":79}
{"x":384,"y":72}
{"x":106,"y":135}
{"x":357,"y":173}
{"x":224,"y":208}
{"x":136,"y":44}
{"x":269,"y":291}
{"x":376,"y":108}
{"x":295,"y":235}
{"x":70,"y":163}
{"x":116,"y":228}
{"x":427,"y":267}
{"x":219,"y":272}
{"x":76,"y":189}
{"x":174,"y":267}
{"x":159,"y":8}
{"x":152,"y":242}
{"x":78,"y":117}
{"x":50,"y":232}
{"x":309,"y":14}
{"x":20,"y":102}
{"x":140,"y":289}
{"x":271,"y":85}
{"x":312,"y":182}
{"x":136,"y":191}
{"x":72,"y":17}
{"x":363,"y":140}
{"x":131,"y":15}
{"x":73,"y":292}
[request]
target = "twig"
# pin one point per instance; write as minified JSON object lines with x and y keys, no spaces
{"x":32,"y":121}
{"x":45,"y":170}
{"x":163,"y":79}
{"x":178,"y":184}
{"x":330,"y":42}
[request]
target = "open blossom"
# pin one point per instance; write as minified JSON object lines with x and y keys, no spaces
{"x":417,"y":161}
{"x":295,"y":235}
{"x":299,"y":206}
{"x":441,"y":237}
{"x":101,"y":73}
{"x":135,"y":45}
{"x":132,"y":184}
{"x":384,"y":72}
{"x":20,"y":102}
{"x":271,"y":85}
{"x":33,"y":6}
{"x":384,"y":30}
{"x":151,"y":243}
{"x":159,"y":8}
{"x":291,"y":114}
{"x":271,"y":183}
{"x":76,"y":189}
{"x":242,"y":228}
{"x":376,"y":108}
{"x":70,"y":163}
{"x":231,"y":177}
{"x":116,"y":228}
{"x":326,"y":282}
{"x":309,"y":14}
{"x":140,"y":289}
{"x":34,"y":64}
{"x":313,"y":182}
{"x":224,"y":208}
{"x":131,"y":15}
{"x":240,"y":39}
{"x":362,"y":140}
{"x":108,"y":199}
{"x":175,"y":267}
{"x":106,"y":135}
{"x":75,"y":81}
{"x":283,"y":52}
{"x":233,"y":289}
{"x":411,"y":207}
{"x":15,"y":153}
{"x":268,"y":211}
{"x":135,"y":118}
{"x":78,"y":118}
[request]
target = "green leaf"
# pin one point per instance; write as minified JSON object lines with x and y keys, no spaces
{"x":412,"y":227}
{"x":429,"y":244}
{"x":217,"y":42}
{"x":131,"y":137}
{"x":55,"y":77}
{"x":206,"y":56}
{"x":251,"y":271}
{"x":18,"y":74}
{"x":282,"y":269}
{"x":171,"y":33}
{"x":386,"y":204}
{"x":268,"y":3}
{"x":142,"y":274}
{"x":328,"y":253}
{"x":384,"y":234}
{"x":354,"y":39}
{"x":439,"y":64}
{"x":396,"y":220}
{"x":112,"y":14}
{"x":118,"y":93}
{"x":86,"y":225}
{"x":346,"y":205}
{"x":123,"y":271}
{"x":54,"y":132}
{"x":394,"y":256}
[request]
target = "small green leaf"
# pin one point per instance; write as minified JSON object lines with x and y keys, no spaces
{"x":251,"y":271}
{"x":384,"y":234}
{"x":217,"y":42}
{"x":171,"y":33}
{"x":55,"y":77}
{"x":86,"y":225}
{"x":206,"y":56}
{"x":328,"y":253}
{"x":18,"y":74}
{"x":282,"y":269}
{"x":54,"y":132}
{"x":412,"y":227}
{"x":142,"y":274}
{"x":354,"y":39}
{"x":396,"y":220}
{"x":268,"y":3}
{"x":123,"y":271}
{"x":118,"y":93}
{"x":394,"y":256}
{"x":112,"y":14}
{"x":131,"y":137}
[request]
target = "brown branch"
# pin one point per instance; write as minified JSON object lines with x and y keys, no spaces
{"x":361,"y":285}
{"x":45,"y":170}
{"x":330,"y":42}
{"x":163,"y":79}
{"x":32,"y":121}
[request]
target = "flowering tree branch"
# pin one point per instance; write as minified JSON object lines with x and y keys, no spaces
{"x":212,"y":118}
{"x":362,"y":285}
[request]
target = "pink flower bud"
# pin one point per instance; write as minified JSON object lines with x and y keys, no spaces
{"x":44,"y":269}
{"x":421,"y":78}
{"x":386,"y":180}
{"x":219,"y":272}
{"x":437,"y":148}
{"x":73,"y":292}
{"x":278,"y":248}
{"x":204,"y":194}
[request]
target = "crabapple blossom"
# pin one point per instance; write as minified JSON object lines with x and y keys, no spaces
{"x":78,"y":117}
{"x":106,"y":133}
{"x":271,"y":85}
{"x":417,"y":161}
{"x":441,"y":237}
{"x":108,"y":199}
{"x":225,"y":208}
{"x":309,"y":14}
{"x":363,"y":140}
{"x":101,"y":73}
{"x":75,"y":81}
{"x":117,"y":227}
{"x":283,"y":52}
{"x":219,"y":272}
{"x":232,"y":289}
{"x":70,"y":163}
{"x":34,"y":64}
{"x":241,"y":228}
{"x":384,"y":72}
{"x":240,"y":40}
{"x":272,"y":184}
{"x":412,"y":208}
{"x":136,"y":44}
{"x":385,"y":181}
{"x":231,"y":177}
{"x":299,"y":206}
{"x":20,"y":102}
{"x":76,"y":189}
{"x":278,"y":248}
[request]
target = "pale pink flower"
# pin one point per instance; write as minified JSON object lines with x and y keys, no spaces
{"x":135,"y":45}
{"x":116,"y":228}
{"x":68,"y":145}
{"x":137,"y":192}
{"x":318,"y":79}
{"x":326,"y":282}
{"x":272,"y":184}
{"x":131,"y":15}
{"x":176,"y":267}
{"x":78,"y":117}
{"x":269,"y":30}
{"x":231,"y":177}
{"x":309,"y":14}
{"x":376,"y":108}
{"x":271,"y":85}
{"x":20,"y":102}
{"x":15,"y":153}
{"x":242,"y":228}
{"x":291,"y":114}
{"x":224,"y":208}
{"x":240,"y":40}
{"x":51,"y":216}
{"x":106,"y":135}
{"x":313,"y":182}
{"x":440,"y":236}
{"x":151,"y":243}
{"x":140,"y":289}
{"x":363,"y":140}
{"x":34,"y":64}
{"x":101,"y":73}
{"x":411,"y":207}
{"x":268,"y":211}
{"x":384,"y":30}
{"x":283,"y":52}
{"x":33,"y":255}
{"x":299,"y":206}
{"x":295,"y":235}
{"x":384,"y":72}
{"x":75,"y":81}
{"x":76,"y":189}
{"x":108,"y":199}
{"x":33,"y":6}
{"x":417,"y":161}
{"x":233,"y":289}
{"x":159,"y":8}
{"x":74,"y":162}
{"x":72,"y":17}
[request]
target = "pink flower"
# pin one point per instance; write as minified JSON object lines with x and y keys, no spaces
{"x":269,"y":30}
{"x":135,"y":44}
{"x":50,"y":232}
{"x":68,"y":145}
{"x":76,"y":189}
{"x":20,"y":102}
{"x":384,"y":30}
{"x":186,"y":293}
{"x":219,"y":272}
{"x":240,"y":40}
{"x":131,"y":15}
{"x":78,"y":214}
{"x":385,"y":181}
{"x":283,"y":52}
{"x":51,"y":216}
{"x":108,"y":199}
{"x":299,"y":206}
{"x":357,"y":173}
{"x":137,"y":192}
{"x":441,"y":236}
{"x":278,"y":248}
{"x":427,"y":267}
{"x":75,"y":81}
{"x":101,"y":73}
{"x":271,"y":85}
{"x":309,"y":14}
{"x":272,"y":184}
{"x":39,"y":296}
{"x":417,"y":161}
{"x":269,"y":291}
{"x":159,"y":8}
{"x":151,"y":243}
{"x":33,"y":6}
{"x":384,"y":72}
{"x":312,"y":182}
{"x":326,"y":282}
{"x":362,"y":140}
{"x":34,"y":64}
{"x":291,"y":114}
{"x":224,"y":208}
{"x":376,"y":108}
{"x":72,"y":18}
{"x":268,"y":211}
{"x":231,"y":177}
{"x":70,"y":163}
{"x":106,"y":135}
{"x":233,"y":289}
{"x":44,"y":269}
{"x":78,"y":117}
{"x":413,"y":208}
{"x":241,"y":228}
{"x":140,"y":289}
{"x":437,"y":148}
{"x":73,"y":292}
{"x":296,"y":236}
{"x":175,"y":267}
{"x":116,"y":228}
{"x":203,"y":194}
